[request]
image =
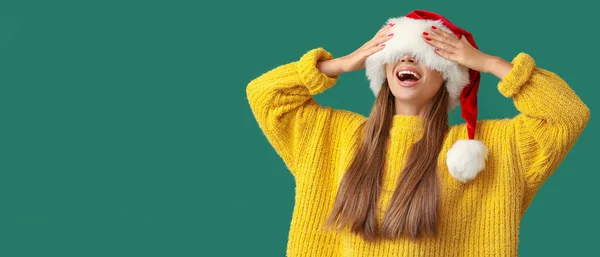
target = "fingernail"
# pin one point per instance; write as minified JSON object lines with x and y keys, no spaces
{"x":433,"y":27}
{"x":381,"y":44}
{"x":425,"y":33}
{"x":428,"y":39}
{"x":391,"y":34}
{"x":392,"y":24}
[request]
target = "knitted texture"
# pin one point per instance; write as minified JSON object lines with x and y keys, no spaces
{"x":479,"y":218}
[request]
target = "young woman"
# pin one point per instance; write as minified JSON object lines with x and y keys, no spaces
{"x":402,"y":182}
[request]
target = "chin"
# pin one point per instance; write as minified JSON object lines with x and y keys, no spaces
{"x":407,"y":99}
{"x":405,"y":95}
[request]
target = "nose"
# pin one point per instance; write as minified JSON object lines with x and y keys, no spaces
{"x":408,"y":58}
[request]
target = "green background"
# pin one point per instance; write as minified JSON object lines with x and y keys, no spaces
{"x":125,"y":128}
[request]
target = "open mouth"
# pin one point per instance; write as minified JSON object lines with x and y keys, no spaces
{"x":408,"y":78}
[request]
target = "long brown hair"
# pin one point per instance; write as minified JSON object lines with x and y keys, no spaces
{"x":414,"y":204}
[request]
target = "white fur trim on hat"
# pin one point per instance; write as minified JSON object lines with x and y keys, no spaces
{"x":408,"y":38}
{"x":466,"y":159}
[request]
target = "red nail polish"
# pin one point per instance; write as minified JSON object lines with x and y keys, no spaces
{"x":425,"y":33}
{"x":433,"y":27}
{"x":428,"y":39}
{"x":392,"y":24}
{"x":391,"y":34}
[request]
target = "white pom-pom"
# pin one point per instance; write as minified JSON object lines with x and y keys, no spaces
{"x":466,"y":158}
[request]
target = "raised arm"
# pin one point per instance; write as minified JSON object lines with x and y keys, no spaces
{"x":551,"y":115}
{"x":550,"y":121}
{"x":283,"y":105}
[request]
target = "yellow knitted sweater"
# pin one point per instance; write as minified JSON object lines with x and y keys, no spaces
{"x":479,"y":218}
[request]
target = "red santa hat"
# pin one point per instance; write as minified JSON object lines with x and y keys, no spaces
{"x":467,"y":157}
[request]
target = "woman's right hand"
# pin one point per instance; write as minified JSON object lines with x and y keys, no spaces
{"x":356,"y":60}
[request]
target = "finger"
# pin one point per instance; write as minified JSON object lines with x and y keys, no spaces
{"x":436,"y":37}
{"x":438,"y":44}
{"x":443,"y":33}
{"x":379,"y":40}
{"x":373,"y":50}
{"x":383,"y":30}
{"x":382,"y":33}
{"x":445,"y":37}
{"x":443,"y":53}
{"x":375,"y":45}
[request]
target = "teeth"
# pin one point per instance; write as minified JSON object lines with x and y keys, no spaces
{"x":409,"y":72}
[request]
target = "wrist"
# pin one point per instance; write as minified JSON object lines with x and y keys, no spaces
{"x":331,"y":67}
{"x":338,"y":64}
{"x":498,"y":66}
{"x":490,"y":63}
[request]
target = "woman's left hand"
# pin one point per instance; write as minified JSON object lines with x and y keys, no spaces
{"x":458,"y":50}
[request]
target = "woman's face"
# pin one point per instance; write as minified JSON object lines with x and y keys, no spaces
{"x":412,"y":82}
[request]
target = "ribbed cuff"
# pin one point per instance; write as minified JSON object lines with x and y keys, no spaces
{"x":523,"y":66}
{"x":310,"y":75}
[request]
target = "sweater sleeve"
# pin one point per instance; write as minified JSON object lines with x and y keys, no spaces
{"x":282,"y":103}
{"x":550,"y":121}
